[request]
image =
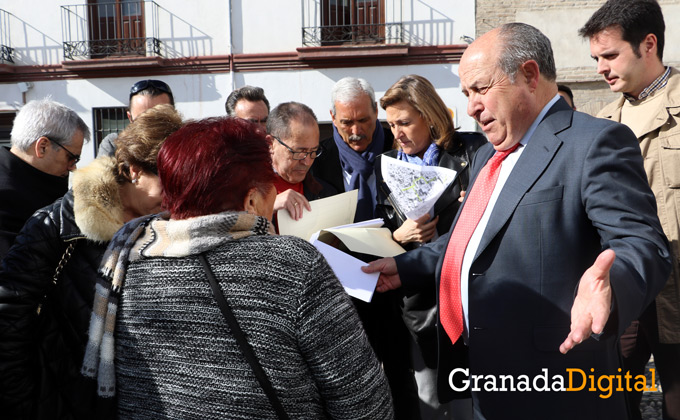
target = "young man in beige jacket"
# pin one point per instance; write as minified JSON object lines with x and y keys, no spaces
{"x":627,"y":40}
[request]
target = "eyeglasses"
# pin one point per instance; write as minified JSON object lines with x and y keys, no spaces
{"x":145,"y":84}
{"x":297,"y":155}
{"x":74,"y":158}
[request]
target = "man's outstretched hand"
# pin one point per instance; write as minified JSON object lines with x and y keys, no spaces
{"x":593,"y":302}
{"x":389,"y":277}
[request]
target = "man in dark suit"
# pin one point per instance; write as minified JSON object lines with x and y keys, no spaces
{"x":557,"y":252}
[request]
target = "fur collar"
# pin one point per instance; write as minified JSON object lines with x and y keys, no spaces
{"x":96,"y":200}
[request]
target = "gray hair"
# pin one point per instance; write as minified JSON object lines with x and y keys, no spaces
{"x":48,"y":118}
{"x":278,"y":122}
{"x":521,"y":43}
{"x":349,"y":88}
{"x":249,"y":93}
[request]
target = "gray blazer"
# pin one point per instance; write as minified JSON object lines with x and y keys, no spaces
{"x":578,"y":188}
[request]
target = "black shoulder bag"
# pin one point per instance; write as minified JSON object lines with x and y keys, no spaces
{"x":246,"y":349}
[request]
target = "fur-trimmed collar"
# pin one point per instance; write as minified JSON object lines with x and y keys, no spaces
{"x":97,"y":207}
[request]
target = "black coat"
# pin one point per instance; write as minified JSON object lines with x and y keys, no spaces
{"x":327,"y":169}
{"x":23,"y":190}
{"x":41,"y":355}
{"x":419,"y":310}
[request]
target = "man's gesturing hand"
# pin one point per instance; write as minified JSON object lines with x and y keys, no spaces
{"x":389,"y":277}
{"x":593,"y":302}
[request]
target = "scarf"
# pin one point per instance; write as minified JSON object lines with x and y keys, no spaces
{"x":360,"y":168}
{"x":147,"y":237}
{"x":430,"y":158}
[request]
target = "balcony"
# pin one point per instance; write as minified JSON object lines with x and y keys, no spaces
{"x":110,"y":29}
{"x":6,"y":52}
{"x":351,"y":22}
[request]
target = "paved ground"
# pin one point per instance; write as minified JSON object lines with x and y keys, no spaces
{"x":651,"y":401}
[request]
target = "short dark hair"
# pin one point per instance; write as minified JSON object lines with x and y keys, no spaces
{"x":635,"y":18}
{"x":249,"y":93}
{"x":151,"y":88}
{"x":567,"y":90}
{"x":208,"y":166}
{"x":278,"y":122}
{"x":521,"y":43}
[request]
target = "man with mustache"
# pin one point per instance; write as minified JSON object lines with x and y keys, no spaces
{"x":358,"y":137}
{"x":627,"y":40}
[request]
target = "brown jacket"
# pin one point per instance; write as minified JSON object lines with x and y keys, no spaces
{"x":660,"y":145}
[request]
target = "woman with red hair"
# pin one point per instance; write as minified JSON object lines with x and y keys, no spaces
{"x":175,"y":355}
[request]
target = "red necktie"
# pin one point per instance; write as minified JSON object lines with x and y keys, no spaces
{"x":450,"y":304}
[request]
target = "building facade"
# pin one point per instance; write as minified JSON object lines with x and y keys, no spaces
{"x":88,"y":54}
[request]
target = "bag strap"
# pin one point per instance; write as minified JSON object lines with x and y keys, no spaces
{"x":246,"y":349}
{"x":64,"y":259}
{"x":60,"y":267}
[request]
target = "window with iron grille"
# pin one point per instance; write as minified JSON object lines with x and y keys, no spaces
{"x":351,"y":22}
{"x":110,"y":28}
{"x":107,"y":121}
{"x":116,"y":28}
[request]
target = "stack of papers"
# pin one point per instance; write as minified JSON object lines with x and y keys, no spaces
{"x":329,"y":227}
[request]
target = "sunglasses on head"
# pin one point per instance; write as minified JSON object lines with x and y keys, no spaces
{"x":145,"y":84}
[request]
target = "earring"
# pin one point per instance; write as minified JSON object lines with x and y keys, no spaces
{"x":134,"y":180}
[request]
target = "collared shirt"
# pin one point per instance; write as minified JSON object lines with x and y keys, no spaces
{"x":506,"y":168}
{"x":657,"y":84}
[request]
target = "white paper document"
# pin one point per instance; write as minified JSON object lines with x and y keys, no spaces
{"x":326,"y":212}
{"x":415,"y":188}
{"x":348,"y":270}
{"x":330,"y":229}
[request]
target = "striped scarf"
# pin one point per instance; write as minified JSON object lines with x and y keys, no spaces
{"x":145,"y":237}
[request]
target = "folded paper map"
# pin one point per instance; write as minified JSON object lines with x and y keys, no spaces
{"x":415,"y":188}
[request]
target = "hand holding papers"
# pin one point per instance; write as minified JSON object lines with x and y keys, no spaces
{"x":329,"y":227}
{"x":414,"y":188}
{"x":328,"y":212}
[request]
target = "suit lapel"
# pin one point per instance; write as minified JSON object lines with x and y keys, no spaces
{"x":537,"y":155}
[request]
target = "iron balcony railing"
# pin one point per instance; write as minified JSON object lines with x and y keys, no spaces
{"x":351,"y":22}
{"x":116,"y":28}
{"x":6,"y":52}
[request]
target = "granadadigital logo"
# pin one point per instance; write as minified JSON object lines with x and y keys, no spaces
{"x":574,"y":378}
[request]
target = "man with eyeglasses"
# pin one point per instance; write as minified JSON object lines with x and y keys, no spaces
{"x":46,"y":141}
{"x":144,"y":94}
{"x":294,"y":133}
{"x":250,"y":104}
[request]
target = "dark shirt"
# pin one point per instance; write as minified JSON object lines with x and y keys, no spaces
{"x":23,"y":190}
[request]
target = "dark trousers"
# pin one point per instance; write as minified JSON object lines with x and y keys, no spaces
{"x":390,"y":340}
{"x":638,"y":342}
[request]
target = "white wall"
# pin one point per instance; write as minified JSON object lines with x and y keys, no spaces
{"x":275,"y":26}
{"x":196,"y":96}
{"x":199,"y":27}
{"x":313,"y":87}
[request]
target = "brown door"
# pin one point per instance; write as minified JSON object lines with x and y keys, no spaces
{"x":116,"y":28}
{"x":370,"y":17}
